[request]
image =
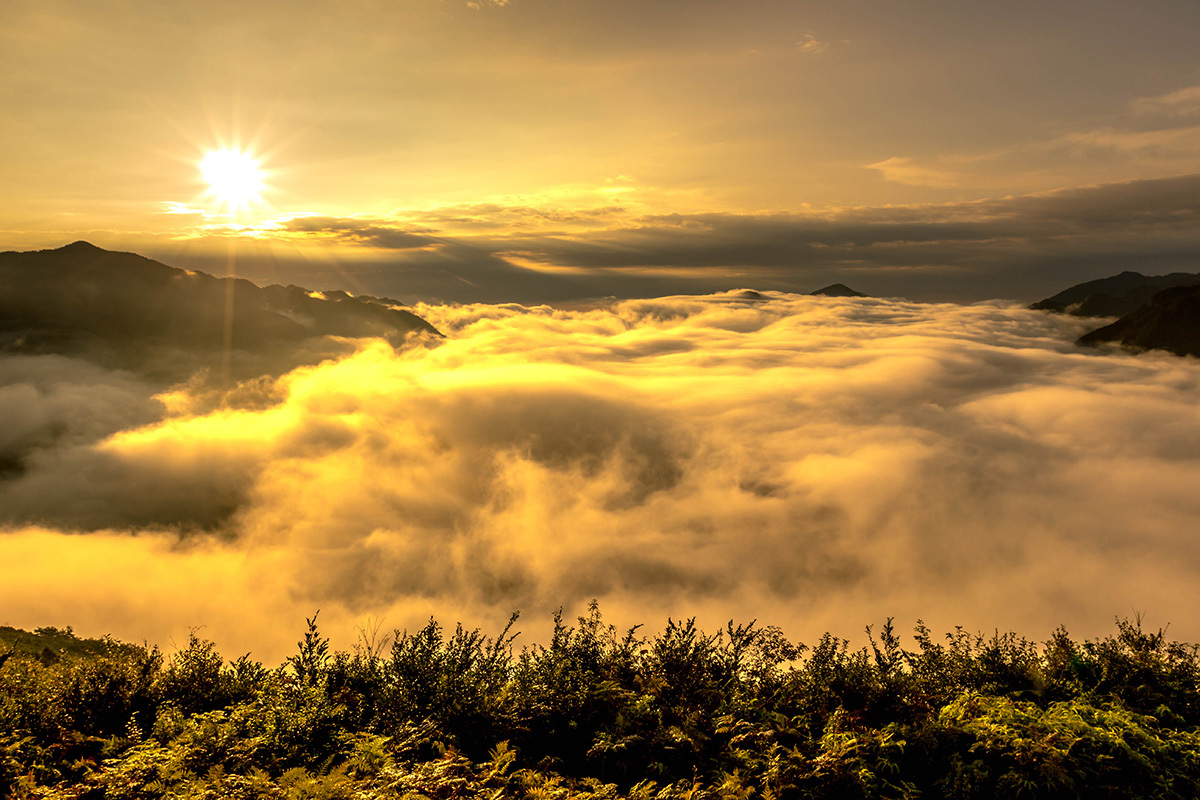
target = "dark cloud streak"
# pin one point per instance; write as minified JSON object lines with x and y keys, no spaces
{"x":1023,"y":247}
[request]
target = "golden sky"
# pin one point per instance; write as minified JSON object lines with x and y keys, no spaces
{"x":540,"y":149}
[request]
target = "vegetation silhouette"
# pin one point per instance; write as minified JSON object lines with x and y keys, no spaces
{"x":599,"y":713}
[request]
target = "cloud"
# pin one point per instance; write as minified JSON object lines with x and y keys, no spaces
{"x":172,"y":207}
{"x":1150,"y":138}
{"x":1181,"y":102}
{"x":51,"y":401}
{"x":496,"y":217}
{"x":374,"y":233}
{"x":907,"y":171}
{"x":1168,"y":145}
{"x":1166,"y":205}
{"x":811,"y":462}
{"x":811,"y":44}
{"x":1020,"y":246}
{"x":1024,"y":247}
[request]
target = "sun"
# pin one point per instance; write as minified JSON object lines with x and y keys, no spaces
{"x":233,"y":176}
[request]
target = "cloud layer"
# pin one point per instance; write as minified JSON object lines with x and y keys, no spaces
{"x":811,"y":462}
{"x":1022,"y":247}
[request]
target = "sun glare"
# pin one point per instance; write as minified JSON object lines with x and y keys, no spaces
{"x":233,"y":177}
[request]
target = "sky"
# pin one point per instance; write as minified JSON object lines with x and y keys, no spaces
{"x":562,"y":150}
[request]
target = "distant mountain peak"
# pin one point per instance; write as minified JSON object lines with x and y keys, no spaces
{"x":838,"y":290}
{"x":80,"y":245}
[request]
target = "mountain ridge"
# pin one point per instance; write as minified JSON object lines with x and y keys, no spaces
{"x":1113,"y":296}
{"x":1169,"y":321}
{"x":124,"y":307}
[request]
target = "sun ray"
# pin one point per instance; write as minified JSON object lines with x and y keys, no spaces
{"x":234,"y":177}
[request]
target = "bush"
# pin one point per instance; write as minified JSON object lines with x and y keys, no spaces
{"x":596,"y":714}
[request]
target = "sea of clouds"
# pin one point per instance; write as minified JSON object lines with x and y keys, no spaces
{"x":813,"y":463}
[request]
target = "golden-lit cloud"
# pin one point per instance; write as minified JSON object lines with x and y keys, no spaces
{"x":825,"y":462}
{"x":810,"y":462}
{"x":1023,"y":247}
{"x":905,"y":170}
{"x":1166,"y":144}
{"x":1180,"y":102}
{"x":811,"y":44}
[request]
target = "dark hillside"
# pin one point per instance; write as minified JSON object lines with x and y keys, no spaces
{"x":1114,"y":296}
{"x":1169,"y":321}
{"x":140,"y":314}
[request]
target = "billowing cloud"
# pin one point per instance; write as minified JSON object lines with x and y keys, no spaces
{"x":811,"y":462}
{"x":53,"y":402}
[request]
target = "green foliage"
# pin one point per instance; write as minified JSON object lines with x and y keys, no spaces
{"x":1072,"y":748}
{"x":310,"y":663}
{"x":456,"y":683}
{"x":197,"y":679}
{"x":741,"y":713}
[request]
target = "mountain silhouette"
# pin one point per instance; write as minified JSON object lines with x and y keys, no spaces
{"x":129,"y":311}
{"x":1169,"y":321}
{"x":838,"y":290}
{"x":1113,"y":296}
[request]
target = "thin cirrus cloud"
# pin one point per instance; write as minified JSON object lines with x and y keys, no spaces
{"x":1181,"y":102}
{"x":810,"y":462}
{"x":1169,"y":145}
{"x":1150,"y":137}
